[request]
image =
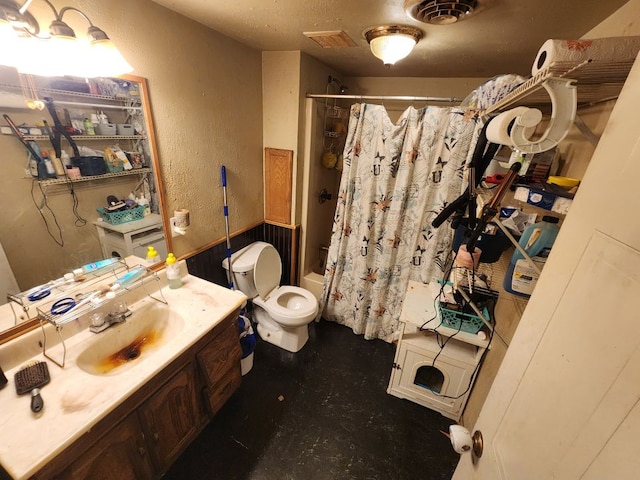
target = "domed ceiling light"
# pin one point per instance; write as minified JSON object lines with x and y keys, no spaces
{"x":391,"y":43}
{"x":439,"y":12}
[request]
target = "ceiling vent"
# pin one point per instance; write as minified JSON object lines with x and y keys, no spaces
{"x":332,"y":39}
{"x":439,"y":12}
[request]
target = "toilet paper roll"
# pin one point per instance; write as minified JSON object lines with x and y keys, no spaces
{"x":611,"y":49}
{"x":498,"y":130}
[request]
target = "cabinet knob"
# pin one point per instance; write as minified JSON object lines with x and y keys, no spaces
{"x":156,"y":437}
{"x":142,"y":451}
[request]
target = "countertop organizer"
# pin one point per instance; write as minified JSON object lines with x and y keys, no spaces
{"x":423,"y":372}
{"x":29,"y":302}
{"x":83,"y":304}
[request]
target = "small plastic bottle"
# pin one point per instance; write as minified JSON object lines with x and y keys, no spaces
{"x":57,"y":165}
{"x":64,"y":158}
{"x":142,"y":201}
{"x":48,"y":165}
{"x":152,"y":256}
{"x":173,"y":272}
{"x":88,"y":127}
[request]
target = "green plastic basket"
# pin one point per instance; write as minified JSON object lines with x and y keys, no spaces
{"x":124,"y":216}
{"x":464,"y":322}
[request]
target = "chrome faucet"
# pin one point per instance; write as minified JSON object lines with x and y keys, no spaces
{"x":100,"y":323}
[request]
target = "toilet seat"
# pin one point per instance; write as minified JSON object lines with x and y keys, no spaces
{"x":289,"y":305}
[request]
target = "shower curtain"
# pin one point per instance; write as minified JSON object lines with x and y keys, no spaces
{"x":395,"y":179}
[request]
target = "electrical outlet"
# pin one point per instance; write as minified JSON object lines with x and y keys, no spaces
{"x":172,"y":222}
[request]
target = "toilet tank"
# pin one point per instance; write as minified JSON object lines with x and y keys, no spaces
{"x":242,"y":265}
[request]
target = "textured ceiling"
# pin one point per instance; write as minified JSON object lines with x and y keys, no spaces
{"x":502,"y":36}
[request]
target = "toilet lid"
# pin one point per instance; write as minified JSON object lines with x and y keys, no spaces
{"x":267,"y":271}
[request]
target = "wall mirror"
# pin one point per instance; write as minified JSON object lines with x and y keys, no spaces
{"x":50,"y":219}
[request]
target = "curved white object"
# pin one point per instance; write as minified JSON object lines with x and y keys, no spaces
{"x":516,"y":134}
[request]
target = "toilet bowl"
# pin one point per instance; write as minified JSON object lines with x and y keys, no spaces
{"x":282,"y":313}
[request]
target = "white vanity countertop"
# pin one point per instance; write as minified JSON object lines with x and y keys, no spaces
{"x":75,"y":401}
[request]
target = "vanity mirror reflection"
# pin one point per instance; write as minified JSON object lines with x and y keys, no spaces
{"x":50,"y":223}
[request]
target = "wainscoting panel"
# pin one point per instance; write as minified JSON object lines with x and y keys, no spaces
{"x":208,"y":263}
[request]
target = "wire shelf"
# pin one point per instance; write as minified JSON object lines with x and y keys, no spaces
{"x":64,"y":181}
{"x":90,"y":137}
{"x":596,"y":81}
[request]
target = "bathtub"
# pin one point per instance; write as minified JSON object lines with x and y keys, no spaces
{"x":312,"y":281}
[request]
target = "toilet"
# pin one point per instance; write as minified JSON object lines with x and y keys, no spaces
{"x":282,"y":313}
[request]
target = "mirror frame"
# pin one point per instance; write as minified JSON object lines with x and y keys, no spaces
{"x":33,"y":323}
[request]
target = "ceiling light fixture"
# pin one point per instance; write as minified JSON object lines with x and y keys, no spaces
{"x":59,"y":53}
{"x":391,"y":43}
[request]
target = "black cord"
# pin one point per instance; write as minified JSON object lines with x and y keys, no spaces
{"x":44,"y":219}
{"x":495,"y":323}
{"x":475,"y":370}
{"x":442,"y":345}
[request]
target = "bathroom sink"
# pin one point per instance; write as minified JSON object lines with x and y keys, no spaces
{"x":124,"y":345}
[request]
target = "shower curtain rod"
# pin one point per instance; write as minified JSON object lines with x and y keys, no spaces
{"x":401,"y":98}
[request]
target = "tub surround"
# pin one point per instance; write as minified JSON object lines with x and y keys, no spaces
{"x":76,"y":401}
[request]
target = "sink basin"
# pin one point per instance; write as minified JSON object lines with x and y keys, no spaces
{"x":124,"y":345}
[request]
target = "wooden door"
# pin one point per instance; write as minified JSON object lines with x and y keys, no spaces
{"x":278,"y":185}
{"x":172,"y":418}
{"x":565,"y":403}
{"x":120,"y":455}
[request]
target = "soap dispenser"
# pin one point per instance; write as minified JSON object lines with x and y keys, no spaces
{"x":173,"y":272}
{"x":152,"y":256}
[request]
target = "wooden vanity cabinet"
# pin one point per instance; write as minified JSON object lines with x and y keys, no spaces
{"x":172,"y":418}
{"x":122,"y":455}
{"x":143,"y":436}
{"x":219,"y":363}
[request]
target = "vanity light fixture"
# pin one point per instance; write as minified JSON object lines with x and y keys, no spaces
{"x":60,"y":52}
{"x":391,"y":43}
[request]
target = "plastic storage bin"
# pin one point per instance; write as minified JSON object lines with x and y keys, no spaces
{"x":124,"y":129}
{"x":124,"y":216}
{"x":465,"y":322}
{"x":90,"y":166}
{"x":106,"y":129}
{"x":491,"y":245}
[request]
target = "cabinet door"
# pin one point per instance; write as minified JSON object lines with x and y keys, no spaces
{"x":219,"y":362}
{"x":120,"y":455}
{"x":172,"y":417}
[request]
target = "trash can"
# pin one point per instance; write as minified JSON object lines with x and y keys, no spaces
{"x":247,"y":343}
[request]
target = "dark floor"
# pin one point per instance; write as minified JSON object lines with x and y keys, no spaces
{"x":322,"y":413}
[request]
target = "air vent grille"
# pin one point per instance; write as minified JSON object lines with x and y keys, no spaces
{"x":440,"y":12}
{"x":332,"y":39}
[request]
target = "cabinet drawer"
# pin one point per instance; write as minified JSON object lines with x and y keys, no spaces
{"x":220,"y":355}
{"x":216,"y":396}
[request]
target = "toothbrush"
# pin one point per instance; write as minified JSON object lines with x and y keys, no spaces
{"x":92,"y":297}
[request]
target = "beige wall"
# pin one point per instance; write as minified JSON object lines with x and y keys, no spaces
{"x":206,"y":98}
{"x":286,"y":79}
{"x":207,"y":105}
